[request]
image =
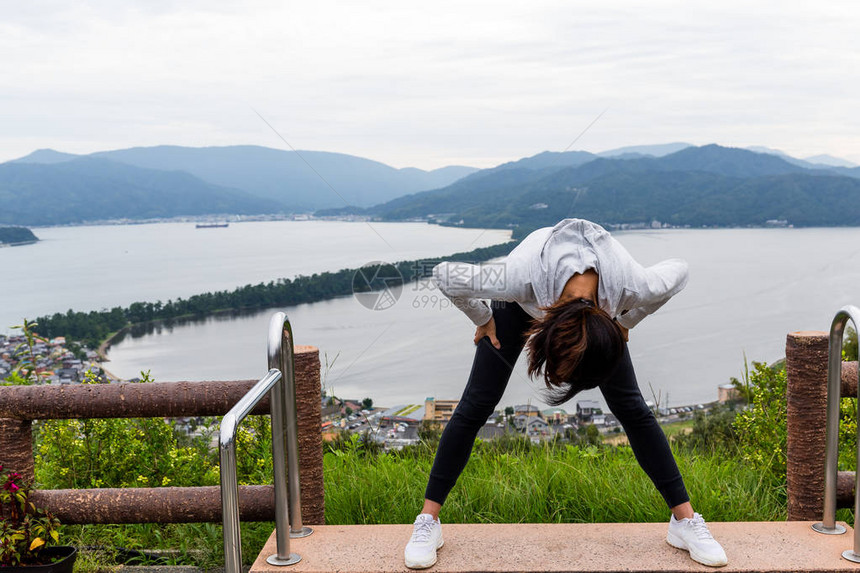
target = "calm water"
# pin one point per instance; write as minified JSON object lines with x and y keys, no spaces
{"x":748,"y":289}
{"x":90,"y":268}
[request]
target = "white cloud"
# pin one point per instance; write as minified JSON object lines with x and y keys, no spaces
{"x":427,"y":85}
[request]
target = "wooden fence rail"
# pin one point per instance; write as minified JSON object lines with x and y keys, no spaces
{"x":19,"y":405}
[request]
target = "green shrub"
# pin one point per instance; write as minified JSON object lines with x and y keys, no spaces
{"x":712,"y":432}
{"x":849,"y":344}
{"x":145,"y":452}
{"x":136,"y":452}
{"x":363,"y":443}
{"x":761,"y":428}
{"x":848,"y":411}
{"x":848,"y":434}
{"x":96,"y":453}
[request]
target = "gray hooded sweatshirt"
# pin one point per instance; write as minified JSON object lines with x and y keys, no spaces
{"x":535,"y":272}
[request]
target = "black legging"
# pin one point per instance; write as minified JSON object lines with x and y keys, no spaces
{"x":491,"y":371}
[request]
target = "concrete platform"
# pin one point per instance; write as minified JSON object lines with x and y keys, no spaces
{"x":767,"y":546}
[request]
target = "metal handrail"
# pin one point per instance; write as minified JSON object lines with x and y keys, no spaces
{"x":280,"y":338}
{"x":828,"y":524}
{"x":279,"y":382}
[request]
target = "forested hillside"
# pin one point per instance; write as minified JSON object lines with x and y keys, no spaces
{"x":87,"y":189}
{"x":697,"y":186}
{"x":16,"y":235}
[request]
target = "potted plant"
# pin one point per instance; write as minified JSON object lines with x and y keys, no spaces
{"x":27,"y":532}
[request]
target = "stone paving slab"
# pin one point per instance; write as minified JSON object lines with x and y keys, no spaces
{"x":640,"y":547}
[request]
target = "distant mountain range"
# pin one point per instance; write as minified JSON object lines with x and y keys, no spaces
{"x":89,"y":189}
{"x":697,"y":186}
{"x":673,"y":183}
{"x":51,"y":187}
{"x":659,"y":150}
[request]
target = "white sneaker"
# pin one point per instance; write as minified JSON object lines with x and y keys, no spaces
{"x":420,"y":552}
{"x":693,"y":535}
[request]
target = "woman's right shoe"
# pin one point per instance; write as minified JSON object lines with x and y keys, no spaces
{"x":420,"y":552}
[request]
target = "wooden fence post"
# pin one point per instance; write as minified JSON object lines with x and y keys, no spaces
{"x":309,"y":412}
{"x":16,"y":446}
{"x":806,"y":396}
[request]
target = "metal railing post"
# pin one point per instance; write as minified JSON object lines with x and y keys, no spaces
{"x":282,"y":356}
{"x":280,"y":384}
{"x":229,"y":482}
{"x":828,"y":524}
{"x":230,"y":496}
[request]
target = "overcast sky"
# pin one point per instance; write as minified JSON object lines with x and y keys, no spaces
{"x":433,"y":83}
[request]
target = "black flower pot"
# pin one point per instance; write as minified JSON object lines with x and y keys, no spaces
{"x":64,"y":556}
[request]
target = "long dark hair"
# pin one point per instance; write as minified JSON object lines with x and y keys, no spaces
{"x":575,"y":346}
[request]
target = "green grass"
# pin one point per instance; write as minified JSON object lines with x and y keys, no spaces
{"x":543,"y":485}
{"x":199,"y":544}
{"x":680,"y":427}
{"x":506,"y":481}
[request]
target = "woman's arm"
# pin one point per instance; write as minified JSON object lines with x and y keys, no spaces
{"x":652,"y":287}
{"x":467,"y":285}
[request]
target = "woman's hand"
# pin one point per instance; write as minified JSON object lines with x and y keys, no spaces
{"x":489,"y":330}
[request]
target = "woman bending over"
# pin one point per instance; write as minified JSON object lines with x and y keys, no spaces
{"x":571,"y":293}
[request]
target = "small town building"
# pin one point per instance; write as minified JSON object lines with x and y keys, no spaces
{"x":68,"y":374}
{"x":353,"y":405}
{"x":329,"y":408}
{"x":439,"y":411}
{"x":492,"y":430}
{"x":529,"y":424}
{"x":727,"y":393}
{"x":585,"y":409}
{"x":526,"y":410}
{"x":410,"y":414}
{"x":535,"y":427}
{"x":555,"y":415}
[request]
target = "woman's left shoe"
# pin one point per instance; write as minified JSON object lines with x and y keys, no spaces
{"x":420,"y":552}
{"x":693,"y":535}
